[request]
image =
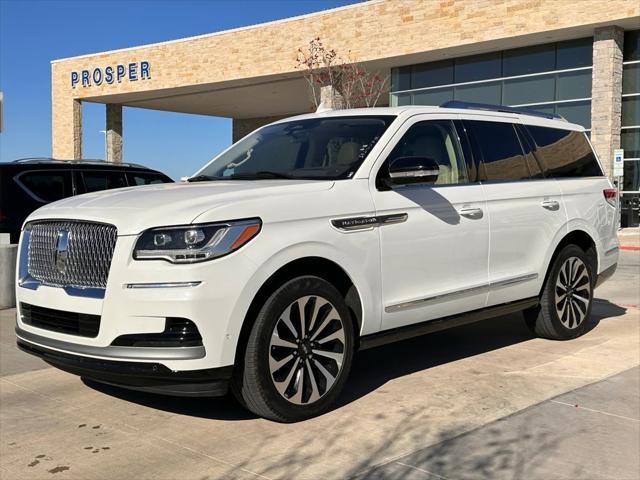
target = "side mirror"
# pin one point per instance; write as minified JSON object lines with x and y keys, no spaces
{"x":410,"y":170}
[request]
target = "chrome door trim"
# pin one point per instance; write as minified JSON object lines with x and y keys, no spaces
{"x":162,"y":285}
{"x":467,"y":291}
{"x":121,"y":353}
{"x":365,"y":223}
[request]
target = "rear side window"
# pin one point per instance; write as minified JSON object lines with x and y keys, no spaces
{"x":99,"y":180}
{"x":47,"y":186}
{"x":499,"y":148}
{"x":564,"y":153}
{"x":144,"y":178}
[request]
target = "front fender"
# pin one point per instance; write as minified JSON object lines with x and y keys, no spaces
{"x":363,"y":269}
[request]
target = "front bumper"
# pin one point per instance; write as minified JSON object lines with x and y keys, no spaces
{"x":142,"y":376}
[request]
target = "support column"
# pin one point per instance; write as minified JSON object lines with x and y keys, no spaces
{"x":114,"y":133}
{"x":606,"y":101}
{"x":66,"y":129}
{"x":331,"y":98}
{"x":77,"y":130}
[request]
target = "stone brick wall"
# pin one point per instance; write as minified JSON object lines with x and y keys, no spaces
{"x":370,"y":31}
{"x":606,"y":103}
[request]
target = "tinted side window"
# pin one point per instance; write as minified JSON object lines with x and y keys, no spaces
{"x":438,"y":140}
{"x":99,"y":180}
{"x":564,"y":153}
{"x":143,"y":178}
{"x":499,"y":148}
{"x":47,"y":185}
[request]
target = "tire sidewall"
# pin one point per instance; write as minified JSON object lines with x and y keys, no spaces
{"x":566,"y":253}
{"x":263,"y":329}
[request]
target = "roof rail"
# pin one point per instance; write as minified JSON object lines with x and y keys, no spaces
{"x":87,"y":161}
{"x":500,"y":108}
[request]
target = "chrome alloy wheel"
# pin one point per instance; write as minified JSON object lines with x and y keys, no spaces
{"x":573,"y":292}
{"x":306,"y":350}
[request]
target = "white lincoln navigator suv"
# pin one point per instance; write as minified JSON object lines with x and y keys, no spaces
{"x":314,"y":237}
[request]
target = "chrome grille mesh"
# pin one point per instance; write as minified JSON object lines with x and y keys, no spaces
{"x":89,"y":252}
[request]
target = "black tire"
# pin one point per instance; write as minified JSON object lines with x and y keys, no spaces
{"x":563,"y":313}
{"x":254,"y":382}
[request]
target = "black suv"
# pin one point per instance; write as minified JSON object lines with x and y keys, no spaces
{"x":30,"y":183}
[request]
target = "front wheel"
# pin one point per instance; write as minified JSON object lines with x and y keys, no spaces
{"x":299,"y":352}
{"x":567,"y":296}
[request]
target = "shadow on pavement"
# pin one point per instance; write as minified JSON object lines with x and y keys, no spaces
{"x":374,"y":368}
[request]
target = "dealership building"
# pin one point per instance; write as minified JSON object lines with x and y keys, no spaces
{"x":579,"y":59}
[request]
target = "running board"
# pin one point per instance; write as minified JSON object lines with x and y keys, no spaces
{"x":430,"y":326}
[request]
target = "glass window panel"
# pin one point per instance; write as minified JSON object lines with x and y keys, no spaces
{"x":529,"y":90}
{"x":48,"y":186}
{"x":631,"y":180}
{"x":630,"y":210}
{"x":478,"y":67}
{"x":564,"y":153}
{"x":576,"y":112}
{"x":630,"y":142}
{"x":574,"y":53}
{"x":631,"y":78}
{"x":631,"y":45}
{"x":432,"y":74}
{"x":400,"y":79}
{"x":98,"y":180}
{"x":630,"y":111}
{"x":438,"y":141}
{"x":574,"y":85}
{"x":521,"y":61}
{"x":141,"y":178}
{"x":401,"y":99}
{"x":483,"y":93}
{"x":543,"y":108}
{"x":502,"y":155}
{"x":433,"y":97}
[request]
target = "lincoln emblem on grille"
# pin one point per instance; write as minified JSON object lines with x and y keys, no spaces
{"x":62,"y":246}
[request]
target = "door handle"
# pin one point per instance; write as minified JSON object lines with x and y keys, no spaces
{"x":550,"y":205}
{"x":471,"y":212}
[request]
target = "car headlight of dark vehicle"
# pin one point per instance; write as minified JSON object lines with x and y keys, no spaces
{"x":195,"y":243}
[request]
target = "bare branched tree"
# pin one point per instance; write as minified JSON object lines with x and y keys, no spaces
{"x":323,"y":67}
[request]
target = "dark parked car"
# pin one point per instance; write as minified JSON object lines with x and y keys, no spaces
{"x":30,"y":183}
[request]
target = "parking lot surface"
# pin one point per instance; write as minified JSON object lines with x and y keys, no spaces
{"x":481,"y":401}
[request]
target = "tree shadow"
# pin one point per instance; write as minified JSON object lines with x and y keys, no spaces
{"x":375,"y":367}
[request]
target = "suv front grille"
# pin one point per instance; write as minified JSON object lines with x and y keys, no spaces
{"x":71,"y":323}
{"x":71,"y":253}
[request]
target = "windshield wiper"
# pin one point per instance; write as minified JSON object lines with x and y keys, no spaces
{"x":260,"y":174}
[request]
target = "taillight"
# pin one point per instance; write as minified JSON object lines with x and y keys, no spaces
{"x":610,"y":195}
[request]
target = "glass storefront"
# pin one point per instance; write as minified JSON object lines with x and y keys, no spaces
{"x":553,"y":78}
{"x":630,"y":133}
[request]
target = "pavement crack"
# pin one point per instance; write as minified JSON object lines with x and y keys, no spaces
{"x":596,"y":411}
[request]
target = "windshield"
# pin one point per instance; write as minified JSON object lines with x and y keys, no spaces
{"x":320,"y":148}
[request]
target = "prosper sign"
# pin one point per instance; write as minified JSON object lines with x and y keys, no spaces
{"x":131,"y":72}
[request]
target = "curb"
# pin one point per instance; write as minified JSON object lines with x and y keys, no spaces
{"x":629,"y":247}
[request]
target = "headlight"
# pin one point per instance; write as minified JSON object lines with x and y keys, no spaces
{"x":195,"y":243}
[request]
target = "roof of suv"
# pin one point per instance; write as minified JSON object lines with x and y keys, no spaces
{"x":457,"y":108}
{"x":80,"y":162}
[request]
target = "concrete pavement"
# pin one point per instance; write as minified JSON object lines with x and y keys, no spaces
{"x":471,"y":402}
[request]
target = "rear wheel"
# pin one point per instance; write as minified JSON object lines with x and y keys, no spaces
{"x":567,"y":296}
{"x":299,"y":352}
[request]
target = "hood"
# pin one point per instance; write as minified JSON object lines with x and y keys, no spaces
{"x":135,"y":209}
